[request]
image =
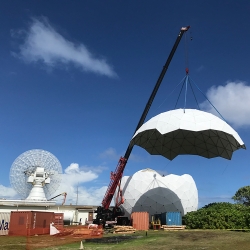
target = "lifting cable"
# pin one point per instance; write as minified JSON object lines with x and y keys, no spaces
{"x":194,"y":95}
{"x":182,"y":81}
{"x":186,"y":49}
{"x":187,"y":80}
{"x":208,"y":101}
{"x":172,"y":91}
{"x":187,"y":69}
{"x":190,"y":81}
{"x":185,"y":93}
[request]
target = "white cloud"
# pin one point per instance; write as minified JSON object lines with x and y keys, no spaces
{"x":42,"y":43}
{"x":73,"y":180}
{"x":7,"y":192}
{"x":74,"y":175}
{"x":81,"y":195}
{"x":96,"y":170}
{"x":85,"y":196}
{"x":232,"y":101}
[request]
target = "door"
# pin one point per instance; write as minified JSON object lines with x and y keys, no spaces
{"x":90,"y":216}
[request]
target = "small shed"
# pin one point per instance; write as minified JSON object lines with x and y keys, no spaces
{"x":27,"y":223}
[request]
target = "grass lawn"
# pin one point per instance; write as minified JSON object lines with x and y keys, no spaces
{"x":175,"y":240}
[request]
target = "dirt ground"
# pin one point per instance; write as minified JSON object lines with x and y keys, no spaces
{"x":37,"y":242}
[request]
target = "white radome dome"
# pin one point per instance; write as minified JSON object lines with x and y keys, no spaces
{"x":188,"y":132}
{"x":147,"y":190}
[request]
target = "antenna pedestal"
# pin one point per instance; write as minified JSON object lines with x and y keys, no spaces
{"x":37,"y":193}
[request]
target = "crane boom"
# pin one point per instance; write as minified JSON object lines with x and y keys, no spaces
{"x":64,"y":194}
{"x":157,"y":85}
{"x":103,"y":213}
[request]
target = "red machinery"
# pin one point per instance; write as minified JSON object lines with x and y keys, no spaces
{"x":104,"y":212}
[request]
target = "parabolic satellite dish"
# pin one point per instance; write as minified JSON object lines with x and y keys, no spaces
{"x":36,"y":174}
{"x":188,"y":131}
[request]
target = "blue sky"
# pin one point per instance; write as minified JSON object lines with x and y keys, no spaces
{"x":75,"y":77}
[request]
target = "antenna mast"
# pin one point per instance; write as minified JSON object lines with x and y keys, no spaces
{"x":77,"y":194}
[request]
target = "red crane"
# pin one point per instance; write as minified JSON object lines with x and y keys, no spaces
{"x":104,"y":213}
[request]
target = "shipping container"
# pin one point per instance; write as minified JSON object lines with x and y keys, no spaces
{"x":4,"y":223}
{"x":28,"y":223}
{"x":58,"y":220}
{"x":140,"y":220}
{"x":171,"y":218}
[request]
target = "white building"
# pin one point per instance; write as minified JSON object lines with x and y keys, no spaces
{"x":73,"y":214}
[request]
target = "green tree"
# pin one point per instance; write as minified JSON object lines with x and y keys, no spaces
{"x":242,"y":196}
